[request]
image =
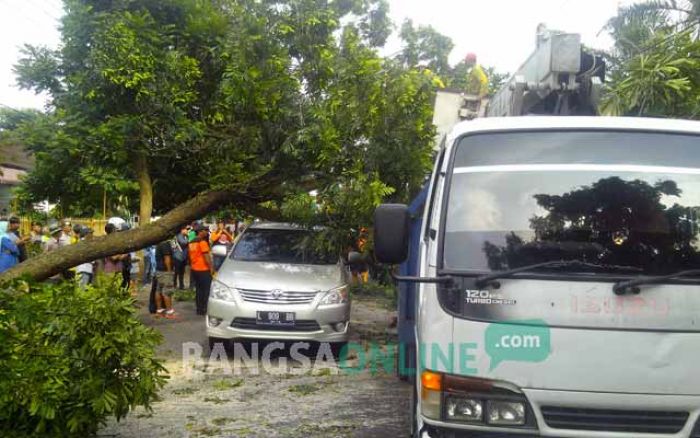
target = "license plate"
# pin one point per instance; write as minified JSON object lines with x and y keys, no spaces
{"x":275,"y":318}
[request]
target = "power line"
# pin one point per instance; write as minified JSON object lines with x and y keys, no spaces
{"x":9,"y":107}
{"x":19,"y":111}
{"x":26,"y":15}
{"x":556,"y":11}
{"x":30,"y":12}
{"x":41,"y":8}
{"x":564,"y":5}
{"x":55,"y":7}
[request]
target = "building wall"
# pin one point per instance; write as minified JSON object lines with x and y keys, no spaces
{"x":5,"y":198}
{"x":9,"y":178}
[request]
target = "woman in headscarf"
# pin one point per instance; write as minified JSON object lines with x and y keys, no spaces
{"x":9,"y":253}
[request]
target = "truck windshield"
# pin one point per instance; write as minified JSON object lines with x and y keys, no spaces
{"x":280,"y":246}
{"x":612,"y":198}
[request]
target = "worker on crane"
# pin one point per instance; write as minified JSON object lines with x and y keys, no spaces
{"x":477,"y":81}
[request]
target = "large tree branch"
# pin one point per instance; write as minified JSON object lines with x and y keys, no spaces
{"x":261,"y":212}
{"x":52,"y":263}
{"x":47,"y":265}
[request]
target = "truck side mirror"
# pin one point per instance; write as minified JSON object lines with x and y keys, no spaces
{"x":391,"y":233}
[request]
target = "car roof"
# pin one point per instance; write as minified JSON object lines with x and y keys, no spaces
{"x":282,"y":226}
{"x":274,"y":226}
{"x":491,"y":124}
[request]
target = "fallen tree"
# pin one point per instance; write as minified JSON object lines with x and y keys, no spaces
{"x":235,"y":103}
{"x":52,"y":263}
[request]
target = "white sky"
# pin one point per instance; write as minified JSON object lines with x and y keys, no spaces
{"x":500,"y":32}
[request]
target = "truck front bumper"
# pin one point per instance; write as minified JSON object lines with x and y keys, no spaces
{"x":446,"y":432}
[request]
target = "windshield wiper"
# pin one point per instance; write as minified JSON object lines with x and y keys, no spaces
{"x":489,"y":278}
{"x":622,"y":287}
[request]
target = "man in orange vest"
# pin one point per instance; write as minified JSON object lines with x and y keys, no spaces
{"x":361,"y":271}
{"x":202,"y":267}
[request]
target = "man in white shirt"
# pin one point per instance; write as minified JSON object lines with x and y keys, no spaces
{"x":67,"y":234}
{"x":56,"y":240}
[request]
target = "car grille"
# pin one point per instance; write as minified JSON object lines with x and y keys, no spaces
{"x":609,"y":420}
{"x":300,"y":325}
{"x":281,"y":297}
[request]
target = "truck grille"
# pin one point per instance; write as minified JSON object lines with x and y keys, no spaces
{"x":299,"y":326}
{"x":611,"y":420}
{"x":696,"y":430}
{"x":277,"y":296}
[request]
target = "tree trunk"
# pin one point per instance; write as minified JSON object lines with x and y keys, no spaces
{"x":145,"y":188}
{"x":52,"y":263}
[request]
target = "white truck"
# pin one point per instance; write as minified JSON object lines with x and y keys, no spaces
{"x":556,"y":269}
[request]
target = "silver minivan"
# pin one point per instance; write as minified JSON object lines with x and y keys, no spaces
{"x":272,"y":285}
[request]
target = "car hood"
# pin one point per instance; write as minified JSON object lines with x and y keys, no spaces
{"x":284,"y":276}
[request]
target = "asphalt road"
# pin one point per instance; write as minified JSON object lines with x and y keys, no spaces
{"x":228,"y":397}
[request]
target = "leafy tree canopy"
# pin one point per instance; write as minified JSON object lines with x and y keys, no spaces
{"x":165,"y":99}
{"x":655,"y":60}
{"x":425,"y":47}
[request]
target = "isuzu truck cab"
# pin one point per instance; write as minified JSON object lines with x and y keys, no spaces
{"x":558,"y":280}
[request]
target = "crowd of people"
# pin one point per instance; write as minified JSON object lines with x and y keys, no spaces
{"x":164,"y":264}
{"x":15,"y":248}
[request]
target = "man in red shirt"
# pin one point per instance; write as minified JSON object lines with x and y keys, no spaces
{"x":202,"y":267}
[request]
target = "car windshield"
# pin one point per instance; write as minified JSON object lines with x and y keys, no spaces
{"x":280,"y":246}
{"x":622,"y":199}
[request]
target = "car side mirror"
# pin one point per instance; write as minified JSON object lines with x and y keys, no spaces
{"x":219,"y":250}
{"x":391,"y":233}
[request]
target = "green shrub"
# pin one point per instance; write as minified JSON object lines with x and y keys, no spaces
{"x":377,"y":291}
{"x":72,"y":358}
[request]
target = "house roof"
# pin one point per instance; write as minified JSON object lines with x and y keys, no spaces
{"x":15,"y":156}
{"x":11,"y":175}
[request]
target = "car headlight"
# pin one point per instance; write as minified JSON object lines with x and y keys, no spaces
{"x":221,"y":291}
{"x":336,"y":296}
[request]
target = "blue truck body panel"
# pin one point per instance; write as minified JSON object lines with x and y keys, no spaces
{"x":407,"y":291}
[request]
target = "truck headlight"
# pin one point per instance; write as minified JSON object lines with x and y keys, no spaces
{"x":505,"y":413}
{"x":336,"y":296}
{"x":475,"y":401}
{"x":464,"y":409}
{"x":221,"y":291}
